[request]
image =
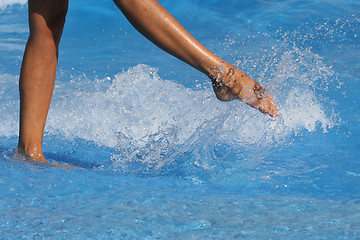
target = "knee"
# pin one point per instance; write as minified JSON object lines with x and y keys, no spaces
{"x":49,"y":23}
{"x":57,"y":21}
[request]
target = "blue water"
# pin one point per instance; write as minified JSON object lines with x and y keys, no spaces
{"x":161,"y":158}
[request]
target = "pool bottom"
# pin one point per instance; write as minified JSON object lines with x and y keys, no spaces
{"x":39,"y":202}
{"x":150,"y":213}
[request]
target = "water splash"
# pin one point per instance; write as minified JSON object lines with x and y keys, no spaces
{"x":7,"y":3}
{"x":157,"y":126}
{"x":9,"y":105}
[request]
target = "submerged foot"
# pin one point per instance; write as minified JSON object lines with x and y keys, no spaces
{"x":37,"y":157}
{"x":231,"y":83}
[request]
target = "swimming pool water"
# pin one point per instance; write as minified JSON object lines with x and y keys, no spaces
{"x":161,"y":158}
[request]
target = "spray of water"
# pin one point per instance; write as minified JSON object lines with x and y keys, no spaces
{"x":157,"y":126}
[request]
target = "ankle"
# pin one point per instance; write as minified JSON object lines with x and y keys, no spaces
{"x":32,"y":152}
{"x":221,"y":73}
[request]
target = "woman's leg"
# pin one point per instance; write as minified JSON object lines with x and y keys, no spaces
{"x":156,"y":24}
{"x":37,"y":77}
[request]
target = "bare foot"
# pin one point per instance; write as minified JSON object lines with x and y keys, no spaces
{"x":37,"y":157}
{"x":231,"y":83}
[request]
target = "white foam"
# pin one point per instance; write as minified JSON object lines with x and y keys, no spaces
{"x":154,"y":121}
{"x":138,"y":104}
{"x":9,"y":105}
{"x":6,"y":3}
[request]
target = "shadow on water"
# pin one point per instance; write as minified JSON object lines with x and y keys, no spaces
{"x":10,"y":154}
{"x":63,"y":158}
